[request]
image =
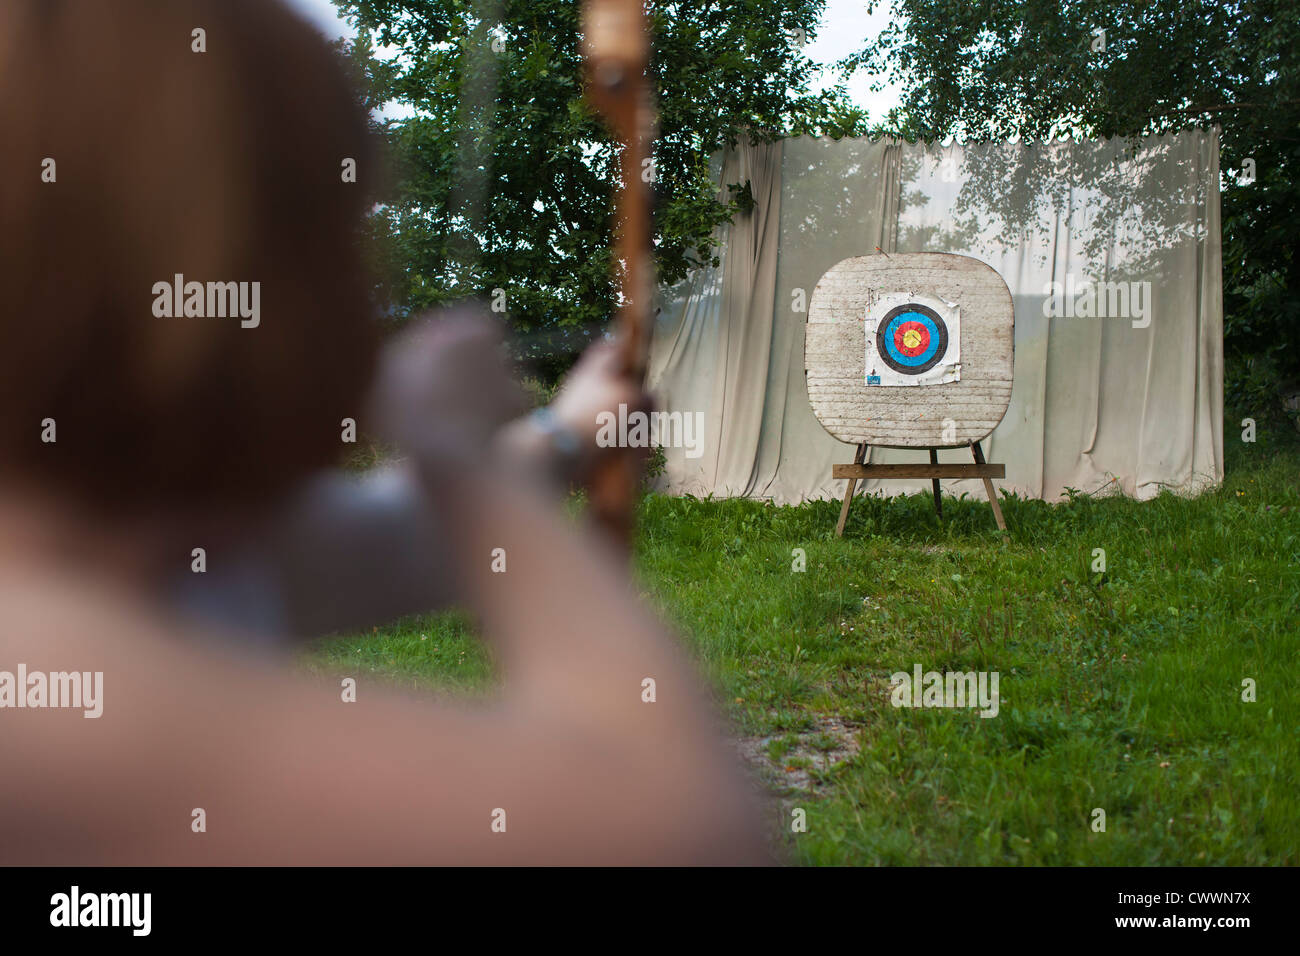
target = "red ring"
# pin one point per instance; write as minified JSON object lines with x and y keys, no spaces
{"x":920,"y":347}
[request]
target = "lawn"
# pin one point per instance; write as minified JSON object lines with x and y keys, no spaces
{"x":1120,"y":690}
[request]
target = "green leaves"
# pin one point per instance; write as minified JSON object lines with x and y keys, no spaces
{"x":546,"y":169}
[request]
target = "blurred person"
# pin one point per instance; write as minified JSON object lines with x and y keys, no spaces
{"x":132,"y":433}
{"x":348,"y":551}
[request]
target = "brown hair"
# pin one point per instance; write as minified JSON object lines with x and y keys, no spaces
{"x":223,"y":166}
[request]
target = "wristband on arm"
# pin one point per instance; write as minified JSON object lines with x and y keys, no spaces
{"x":564,"y":444}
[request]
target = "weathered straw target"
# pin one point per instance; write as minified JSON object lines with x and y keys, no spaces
{"x":911,"y":350}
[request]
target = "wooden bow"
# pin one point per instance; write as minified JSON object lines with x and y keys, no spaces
{"x":616,"y":49}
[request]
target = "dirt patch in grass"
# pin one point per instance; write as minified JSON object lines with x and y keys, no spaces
{"x":799,"y":762}
{"x":792,"y":766}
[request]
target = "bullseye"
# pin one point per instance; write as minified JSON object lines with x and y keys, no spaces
{"x":911,"y":339}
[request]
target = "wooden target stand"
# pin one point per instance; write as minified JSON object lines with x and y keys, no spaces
{"x":859,"y":471}
{"x":911,"y":350}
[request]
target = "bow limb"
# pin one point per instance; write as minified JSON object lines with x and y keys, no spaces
{"x":616,"y":48}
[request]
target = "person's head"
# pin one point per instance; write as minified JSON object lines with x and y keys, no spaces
{"x":142,"y":141}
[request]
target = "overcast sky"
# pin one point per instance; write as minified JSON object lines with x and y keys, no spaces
{"x":845,"y":29}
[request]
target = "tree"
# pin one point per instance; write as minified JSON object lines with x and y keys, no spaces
{"x":497,"y":100}
{"x":1040,"y":68}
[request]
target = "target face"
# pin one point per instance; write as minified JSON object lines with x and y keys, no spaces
{"x":912,"y":339}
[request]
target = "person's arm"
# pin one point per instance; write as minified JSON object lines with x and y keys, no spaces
{"x":601,"y":745}
{"x":585,"y":770}
{"x":346,"y":551}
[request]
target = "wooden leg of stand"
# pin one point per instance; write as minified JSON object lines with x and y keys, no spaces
{"x":858,"y":457}
{"x":988,"y":488}
{"x":938,"y":503}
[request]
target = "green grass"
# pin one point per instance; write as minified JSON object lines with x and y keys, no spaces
{"x":1120,"y":691}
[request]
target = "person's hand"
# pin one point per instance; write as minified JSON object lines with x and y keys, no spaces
{"x":558,"y":443}
{"x":443,"y":389}
{"x":596,"y":384}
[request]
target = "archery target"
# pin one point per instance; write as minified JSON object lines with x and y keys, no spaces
{"x":912,"y":340}
{"x":910,"y":350}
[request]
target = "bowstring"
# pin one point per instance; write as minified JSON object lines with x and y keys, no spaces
{"x":480,"y":73}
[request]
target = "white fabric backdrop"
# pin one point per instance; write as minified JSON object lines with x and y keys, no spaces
{"x":1098,"y":404}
